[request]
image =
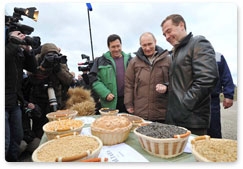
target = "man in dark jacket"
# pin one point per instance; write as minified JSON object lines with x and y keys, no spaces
{"x":17,"y":58}
{"x":193,"y":76}
{"x":226,"y":86}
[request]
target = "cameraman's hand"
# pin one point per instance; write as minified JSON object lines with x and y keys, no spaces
{"x":17,"y":34}
{"x":18,"y":37}
{"x":26,"y":47}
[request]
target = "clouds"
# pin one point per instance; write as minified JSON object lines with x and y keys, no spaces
{"x":66,"y":24}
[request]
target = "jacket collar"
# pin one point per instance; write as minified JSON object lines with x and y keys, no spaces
{"x":184,"y":41}
{"x":158,"y":50}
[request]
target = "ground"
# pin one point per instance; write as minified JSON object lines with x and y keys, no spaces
{"x":229,"y":119}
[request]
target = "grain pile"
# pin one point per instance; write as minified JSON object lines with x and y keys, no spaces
{"x":62,"y":125}
{"x":217,"y":150}
{"x":66,"y":147}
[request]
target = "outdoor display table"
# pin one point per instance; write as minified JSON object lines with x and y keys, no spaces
{"x":133,"y":142}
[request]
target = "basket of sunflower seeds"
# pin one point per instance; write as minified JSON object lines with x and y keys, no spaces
{"x":162,"y":140}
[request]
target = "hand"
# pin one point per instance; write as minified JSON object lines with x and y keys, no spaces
{"x":130,"y":110}
{"x":161,"y":88}
{"x":26,"y":47}
{"x":227,"y":103}
{"x":19,"y":38}
{"x":17,"y":34}
{"x":110,"y":97}
{"x":31,"y":106}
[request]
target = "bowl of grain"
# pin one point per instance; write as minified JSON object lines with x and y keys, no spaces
{"x":108,"y":112}
{"x":62,"y":114}
{"x":54,"y":128}
{"x":162,"y":140}
{"x":68,"y":149}
{"x":207,"y":149}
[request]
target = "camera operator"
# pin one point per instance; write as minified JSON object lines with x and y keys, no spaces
{"x":75,"y":82}
{"x":30,"y":112}
{"x":50,"y":83}
{"x":83,"y":80}
{"x":17,"y":58}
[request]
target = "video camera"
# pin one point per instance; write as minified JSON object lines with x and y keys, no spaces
{"x":12,"y":24}
{"x":51,"y":59}
{"x":86,"y":66}
{"x":34,"y":41}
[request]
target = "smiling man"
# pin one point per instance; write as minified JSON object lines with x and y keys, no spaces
{"x":107,"y":75}
{"x":193,"y":75}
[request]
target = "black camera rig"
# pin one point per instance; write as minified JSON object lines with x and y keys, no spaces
{"x":86,"y":66}
{"x":51,"y":59}
{"x":12,"y":24}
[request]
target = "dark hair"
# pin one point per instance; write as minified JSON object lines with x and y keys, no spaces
{"x":112,"y":38}
{"x":176,"y":19}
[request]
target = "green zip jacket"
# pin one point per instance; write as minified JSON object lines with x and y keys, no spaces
{"x":103,"y":77}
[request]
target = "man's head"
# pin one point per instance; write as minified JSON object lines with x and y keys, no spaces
{"x":148,"y":44}
{"x":174,"y":28}
{"x":114,"y":44}
{"x":49,"y":47}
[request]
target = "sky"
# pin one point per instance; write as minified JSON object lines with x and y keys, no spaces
{"x":66,"y":25}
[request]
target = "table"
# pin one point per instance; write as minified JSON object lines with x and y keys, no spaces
{"x":133,"y":142}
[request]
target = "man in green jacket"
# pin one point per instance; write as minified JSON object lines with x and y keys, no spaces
{"x":107,"y":75}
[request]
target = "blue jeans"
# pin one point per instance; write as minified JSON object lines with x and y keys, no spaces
{"x":13,"y":133}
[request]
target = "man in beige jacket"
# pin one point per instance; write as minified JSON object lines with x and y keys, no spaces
{"x":146,"y":80}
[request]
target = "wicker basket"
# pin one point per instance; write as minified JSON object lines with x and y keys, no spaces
{"x":112,"y":138}
{"x":64,"y":149}
{"x":163,"y":147}
{"x":61,"y":115}
{"x":115,"y":134}
{"x":62,"y":127}
{"x":105,"y":112}
{"x":206,"y":149}
{"x":135,"y":120}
